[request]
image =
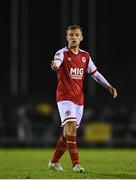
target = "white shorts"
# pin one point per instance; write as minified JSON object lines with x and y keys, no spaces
{"x":70,"y":111}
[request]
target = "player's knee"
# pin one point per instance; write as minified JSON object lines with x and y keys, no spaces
{"x":70,"y":129}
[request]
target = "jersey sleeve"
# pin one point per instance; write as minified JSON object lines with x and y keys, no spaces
{"x":58,"y":58}
{"x":59,"y":55}
{"x":91,"y":67}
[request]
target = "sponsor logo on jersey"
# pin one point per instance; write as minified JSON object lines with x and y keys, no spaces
{"x":68,"y":113}
{"x":83,"y":59}
{"x":76,"y":73}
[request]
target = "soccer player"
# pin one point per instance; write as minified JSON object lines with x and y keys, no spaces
{"x":71,"y":64}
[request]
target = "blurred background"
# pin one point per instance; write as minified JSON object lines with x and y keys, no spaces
{"x":31,"y":31}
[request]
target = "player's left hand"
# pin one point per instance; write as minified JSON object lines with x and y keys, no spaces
{"x":112,"y":91}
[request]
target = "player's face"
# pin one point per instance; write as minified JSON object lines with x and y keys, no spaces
{"x":74,"y":37}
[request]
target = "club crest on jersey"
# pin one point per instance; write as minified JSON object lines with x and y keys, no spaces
{"x":68,"y":113}
{"x":83,"y":59}
{"x":76,"y":73}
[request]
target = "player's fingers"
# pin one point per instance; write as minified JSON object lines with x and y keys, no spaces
{"x":114,"y":93}
{"x":53,"y":66}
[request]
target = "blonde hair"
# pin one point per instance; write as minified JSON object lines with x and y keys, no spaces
{"x":73,"y":27}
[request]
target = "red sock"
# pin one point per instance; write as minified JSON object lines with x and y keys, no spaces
{"x":60,"y":149}
{"x":73,"y":150}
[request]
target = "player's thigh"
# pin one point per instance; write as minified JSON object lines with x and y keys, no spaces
{"x":70,"y":128}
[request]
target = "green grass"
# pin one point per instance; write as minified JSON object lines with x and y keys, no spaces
{"x":98,"y":164}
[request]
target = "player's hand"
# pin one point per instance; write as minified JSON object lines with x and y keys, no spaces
{"x":112,"y":91}
{"x":53,"y":66}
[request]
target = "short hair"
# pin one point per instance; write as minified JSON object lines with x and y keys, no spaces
{"x":73,"y":27}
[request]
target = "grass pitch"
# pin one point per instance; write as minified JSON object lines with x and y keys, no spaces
{"x":98,"y":164}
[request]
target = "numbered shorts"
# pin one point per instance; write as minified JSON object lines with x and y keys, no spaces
{"x":70,"y":111}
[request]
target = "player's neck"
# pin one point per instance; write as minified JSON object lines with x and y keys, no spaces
{"x":74,"y":50}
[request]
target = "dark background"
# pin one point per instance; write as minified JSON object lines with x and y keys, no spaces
{"x":32,"y":31}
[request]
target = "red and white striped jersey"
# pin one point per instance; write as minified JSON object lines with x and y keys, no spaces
{"x":71,"y":73}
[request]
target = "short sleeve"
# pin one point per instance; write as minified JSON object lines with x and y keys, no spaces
{"x":59,"y":55}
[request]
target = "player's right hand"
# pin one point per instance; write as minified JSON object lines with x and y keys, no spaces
{"x":53,"y":66}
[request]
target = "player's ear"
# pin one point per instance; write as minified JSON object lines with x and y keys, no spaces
{"x":82,"y":38}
